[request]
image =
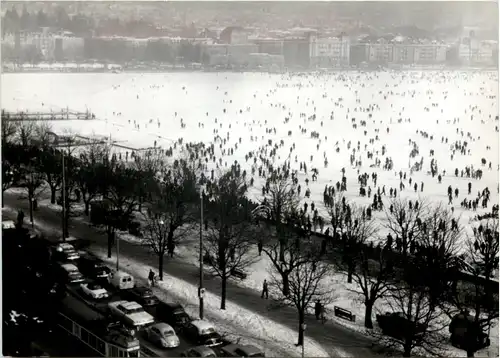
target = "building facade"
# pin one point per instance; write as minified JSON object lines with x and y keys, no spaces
{"x":234,"y":35}
{"x":330,"y":52}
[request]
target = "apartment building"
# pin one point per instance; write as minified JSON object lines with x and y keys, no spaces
{"x":329,"y":51}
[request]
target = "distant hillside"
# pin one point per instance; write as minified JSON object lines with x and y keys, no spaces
{"x":423,"y":15}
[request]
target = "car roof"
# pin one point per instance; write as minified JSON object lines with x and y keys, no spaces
{"x":8,"y":224}
{"x":116,"y":303}
{"x":65,"y":245}
{"x":142,"y":289}
{"x":162,"y":326}
{"x":201,"y":324}
{"x":131,"y":305}
{"x":244,"y":347}
{"x":121,"y":274}
{"x":203,"y":350}
{"x":69,"y":267}
{"x":172,"y":305}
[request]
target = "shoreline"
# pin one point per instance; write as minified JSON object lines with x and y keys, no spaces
{"x":191,"y":70}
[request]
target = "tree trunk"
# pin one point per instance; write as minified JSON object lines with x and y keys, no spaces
{"x":470,"y":353}
{"x":53,"y":191}
{"x":87,"y":207}
{"x":286,"y":284}
{"x":350,"y":271}
{"x":407,"y":347}
{"x":282,"y":250}
{"x":30,"y":198}
{"x":110,"y":241}
{"x":301,"y":331}
{"x":3,"y":201}
{"x":368,"y":314}
{"x":160,"y":265}
{"x":223,"y":292}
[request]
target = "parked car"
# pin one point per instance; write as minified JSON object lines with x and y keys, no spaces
{"x":239,"y":350}
{"x":203,"y":332}
{"x":94,"y":290}
{"x":121,"y":280}
{"x":67,"y":273}
{"x":93,"y":268}
{"x":142,"y":295}
{"x":64,"y":252}
{"x":172,"y":313}
{"x":131,"y":313}
{"x":162,"y":335}
{"x":396,"y":325}
{"x":78,"y":244}
{"x":200,"y":351}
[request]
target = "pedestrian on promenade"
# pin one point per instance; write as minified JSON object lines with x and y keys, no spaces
{"x":264,"y":290}
{"x":317,"y":310}
{"x":151,"y":278}
{"x":259,"y":247}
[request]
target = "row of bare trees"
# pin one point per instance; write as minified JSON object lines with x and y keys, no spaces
{"x":415,"y":269}
{"x":416,"y":272}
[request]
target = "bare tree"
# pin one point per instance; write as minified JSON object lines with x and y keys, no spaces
{"x":482,"y":258}
{"x":281,"y":197}
{"x":307,"y":284}
{"x":9,"y":129}
{"x":369,"y":267}
{"x":336,"y":207}
{"x":169,"y":217}
{"x":32,"y":180}
{"x":404,"y":223}
{"x":119,"y":188}
{"x":91,"y":169}
{"x":149,"y":163}
{"x":231,"y":235}
{"x":423,"y":281}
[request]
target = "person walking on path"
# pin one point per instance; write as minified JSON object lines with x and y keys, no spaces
{"x":264,"y":290}
{"x":151,"y":278}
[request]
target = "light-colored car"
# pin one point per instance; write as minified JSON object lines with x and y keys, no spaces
{"x":70,"y":274}
{"x":162,"y":335}
{"x":131,"y":313}
{"x":200,"y":351}
{"x":67,"y":250}
{"x":94,"y":290}
{"x":203,"y":332}
{"x":240,"y":350}
{"x":8,"y":224}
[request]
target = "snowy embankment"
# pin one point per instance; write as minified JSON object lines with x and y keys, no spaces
{"x":346,"y":295}
{"x":235,"y":322}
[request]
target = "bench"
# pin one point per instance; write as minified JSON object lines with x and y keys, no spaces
{"x":343,"y":313}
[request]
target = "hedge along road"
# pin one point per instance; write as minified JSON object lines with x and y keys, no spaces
{"x":330,"y":336}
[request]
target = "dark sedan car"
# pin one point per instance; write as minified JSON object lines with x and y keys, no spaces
{"x":142,"y":295}
{"x":93,"y":268}
{"x":173,"y":314}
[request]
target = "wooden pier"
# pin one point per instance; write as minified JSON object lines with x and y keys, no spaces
{"x":63,"y":115}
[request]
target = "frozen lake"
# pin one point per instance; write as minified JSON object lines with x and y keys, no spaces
{"x":139,"y":109}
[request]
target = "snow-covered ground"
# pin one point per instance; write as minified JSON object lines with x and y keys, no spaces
{"x":248,"y":110}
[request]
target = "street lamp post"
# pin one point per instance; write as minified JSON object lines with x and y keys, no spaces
{"x":201,"y":289}
{"x":63,"y":197}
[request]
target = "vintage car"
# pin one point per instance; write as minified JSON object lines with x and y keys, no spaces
{"x":131,"y":313}
{"x":94,"y":290}
{"x":199,"y":351}
{"x":162,"y":335}
{"x":203,"y":332}
{"x":239,"y":350}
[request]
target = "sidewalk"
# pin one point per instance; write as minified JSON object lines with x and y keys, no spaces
{"x":331,"y":336}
